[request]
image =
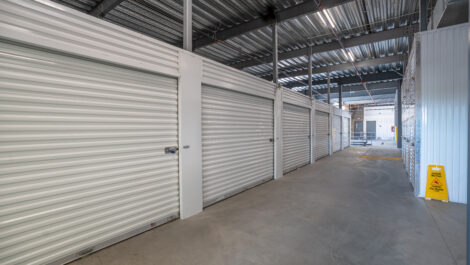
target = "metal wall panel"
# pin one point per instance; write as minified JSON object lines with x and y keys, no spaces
{"x":444,"y":107}
{"x":346,"y":136}
{"x":337,"y":111}
{"x":409,"y":115}
{"x":322,"y":132}
{"x":223,"y":76}
{"x":296,"y":137}
{"x":295,"y":98}
{"x":336,"y":139}
{"x":82,"y":154}
{"x":52,"y":25}
{"x":237,"y":142}
{"x":346,"y":113}
{"x":322,"y":106}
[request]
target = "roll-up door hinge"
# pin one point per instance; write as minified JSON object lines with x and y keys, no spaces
{"x":271,"y":140}
{"x":171,"y":150}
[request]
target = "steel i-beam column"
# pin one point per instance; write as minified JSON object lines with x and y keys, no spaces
{"x":275,"y":53}
{"x":309,"y":55}
{"x":329,"y":88}
{"x":423,"y":25}
{"x":187,"y":25}
{"x":340,"y":96}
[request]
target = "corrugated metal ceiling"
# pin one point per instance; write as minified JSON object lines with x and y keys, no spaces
{"x":162,"y":19}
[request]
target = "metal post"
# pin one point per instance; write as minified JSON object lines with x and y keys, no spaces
{"x":329,"y":89}
{"x":275,"y":54}
{"x":399,"y":123}
{"x":309,"y":55}
{"x":187,"y":25}
{"x":423,"y":25}
{"x":340,"y":96}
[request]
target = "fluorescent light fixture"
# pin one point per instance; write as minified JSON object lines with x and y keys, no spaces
{"x":345,"y":53}
{"x":328,"y":18}
{"x":351,"y":56}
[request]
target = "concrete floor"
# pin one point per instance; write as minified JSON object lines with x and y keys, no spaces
{"x":340,"y":210}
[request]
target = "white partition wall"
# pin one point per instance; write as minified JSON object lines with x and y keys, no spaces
{"x":237,"y":131}
{"x":296,"y":130}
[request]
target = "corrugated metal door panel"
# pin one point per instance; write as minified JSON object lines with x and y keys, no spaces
{"x":321,"y":134}
{"x":82,"y":154}
{"x":237,"y":142}
{"x":346,"y":129}
{"x":295,"y":136}
{"x":336,"y":133}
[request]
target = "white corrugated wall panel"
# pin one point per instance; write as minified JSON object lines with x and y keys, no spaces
{"x":82,"y":154}
{"x":322,"y":130}
{"x":337,"y":111}
{"x":322,"y":106}
{"x":346,"y":132}
{"x":336,"y":133}
{"x":295,"y":98}
{"x":237,"y":142}
{"x":223,"y":76}
{"x":295,"y":137}
{"x":444,"y":106}
{"x":52,"y":25}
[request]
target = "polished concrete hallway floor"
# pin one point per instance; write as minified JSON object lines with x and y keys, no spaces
{"x":341,"y":210}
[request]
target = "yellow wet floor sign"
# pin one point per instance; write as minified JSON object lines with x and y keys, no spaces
{"x":436,"y":186}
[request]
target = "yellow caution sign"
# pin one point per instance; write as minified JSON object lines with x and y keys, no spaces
{"x":436,"y":186}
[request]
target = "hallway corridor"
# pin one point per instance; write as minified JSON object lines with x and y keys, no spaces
{"x":341,"y":210}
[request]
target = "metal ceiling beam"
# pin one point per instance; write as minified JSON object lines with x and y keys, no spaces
{"x":382,"y":76}
{"x":284,"y":14}
{"x":339,"y":67}
{"x":334,"y":45}
{"x":104,"y":7}
{"x":356,"y":88}
{"x":387,"y":91}
{"x":367,"y":100}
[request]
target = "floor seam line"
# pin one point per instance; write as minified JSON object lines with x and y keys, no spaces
{"x":440,"y":232}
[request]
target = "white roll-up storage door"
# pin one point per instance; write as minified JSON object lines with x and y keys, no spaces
{"x":346,"y":128}
{"x":296,"y":137}
{"x":321,"y":134}
{"x":237,"y":142}
{"x":336,"y":133}
{"x":82,"y":159}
